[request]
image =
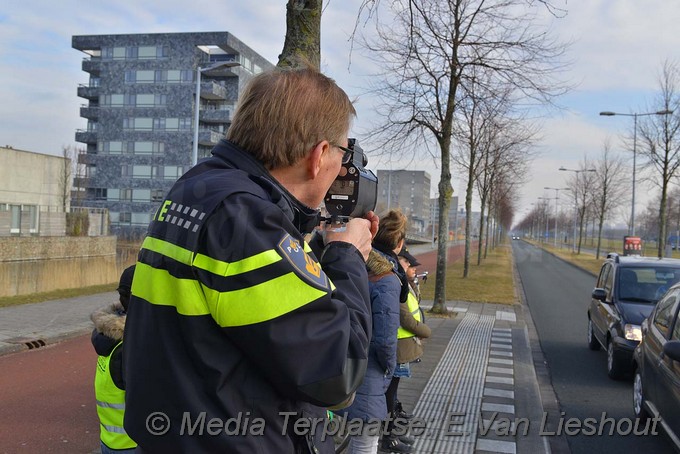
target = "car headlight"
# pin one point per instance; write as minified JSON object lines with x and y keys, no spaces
{"x":633,"y":332}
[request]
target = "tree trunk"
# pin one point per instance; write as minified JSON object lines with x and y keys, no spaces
{"x":482,"y":235}
{"x":468,"y":220}
{"x":445,"y":192}
{"x":662,"y":219}
{"x":302,"y":46}
{"x":599,"y":236}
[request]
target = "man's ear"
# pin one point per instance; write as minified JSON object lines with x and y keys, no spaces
{"x":315,"y":158}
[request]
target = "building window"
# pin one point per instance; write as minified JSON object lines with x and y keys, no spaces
{"x":143,"y":148}
{"x":33,"y":218}
{"x":140,"y":218}
{"x":141,"y":195}
{"x":140,"y":171}
{"x":96,"y":193}
{"x":147,"y":52}
{"x":172,"y":172}
{"x":139,"y":123}
{"x":118,"y":53}
{"x":157,"y":195}
{"x":15,"y":221}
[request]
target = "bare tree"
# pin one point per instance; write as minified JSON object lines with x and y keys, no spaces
{"x":428,"y":52}
{"x":69,"y":153}
{"x":660,"y":141}
{"x":609,"y":188}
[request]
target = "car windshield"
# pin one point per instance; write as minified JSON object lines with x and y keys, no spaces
{"x":646,"y":284}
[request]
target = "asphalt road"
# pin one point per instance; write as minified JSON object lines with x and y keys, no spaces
{"x":558,"y":295}
{"x":47,"y":399}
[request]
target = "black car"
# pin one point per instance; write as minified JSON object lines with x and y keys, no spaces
{"x":626,"y":291}
{"x":656,"y":386}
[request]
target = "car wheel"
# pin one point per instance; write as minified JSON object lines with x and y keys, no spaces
{"x":639,"y":397}
{"x":593,"y":343}
{"x":614,"y":367}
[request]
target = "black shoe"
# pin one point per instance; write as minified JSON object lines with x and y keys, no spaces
{"x":406,"y":440}
{"x":390,"y":444}
{"x":400,"y":413}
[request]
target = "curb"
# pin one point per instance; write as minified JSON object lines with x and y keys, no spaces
{"x":8,"y":348}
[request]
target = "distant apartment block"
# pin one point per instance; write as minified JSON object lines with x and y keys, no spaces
{"x":140,"y":109}
{"x":457,"y":217}
{"x":408,"y":190}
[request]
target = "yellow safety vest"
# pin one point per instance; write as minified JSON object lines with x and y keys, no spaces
{"x":414,"y":308}
{"x":110,"y":406}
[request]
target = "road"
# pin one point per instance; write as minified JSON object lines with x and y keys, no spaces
{"x":558,"y":295}
{"x":47,"y":398}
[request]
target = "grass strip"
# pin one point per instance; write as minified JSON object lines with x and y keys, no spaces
{"x":490,"y":282}
{"x":55,"y":295}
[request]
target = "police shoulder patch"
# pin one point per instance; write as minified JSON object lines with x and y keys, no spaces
{"x":294,"y":251}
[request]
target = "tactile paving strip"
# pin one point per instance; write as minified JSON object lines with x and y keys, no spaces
{"x":454,"y":392}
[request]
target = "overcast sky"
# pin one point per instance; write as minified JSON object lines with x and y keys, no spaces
{"x":619,"y":48}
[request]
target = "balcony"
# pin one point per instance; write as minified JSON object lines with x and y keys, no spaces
{"x":87,"y":158}
{"x":212,"y":90}
{"x":84,"y":136}
{"x":82,"y":182}
{"x":87,"y":92}
{"x":92,"y":65}
{"x":209,"y":138}
{"x":215,"y":115}
{"x":89,"y":112}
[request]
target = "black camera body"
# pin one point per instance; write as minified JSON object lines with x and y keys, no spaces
{"x":355,"y":191}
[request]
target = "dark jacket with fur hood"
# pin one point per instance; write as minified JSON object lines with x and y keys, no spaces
{"x":385,"y":289}
{"x":109,"y":323}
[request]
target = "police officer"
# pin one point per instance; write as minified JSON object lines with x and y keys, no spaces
{"x":240,"y":334}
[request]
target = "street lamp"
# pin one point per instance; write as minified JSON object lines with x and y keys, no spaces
{"x":635,"y":117}
{"x":557,"y":190}
{"x":564,"y":169}
{"x":199,"y":71}
{"x":546,"y":216}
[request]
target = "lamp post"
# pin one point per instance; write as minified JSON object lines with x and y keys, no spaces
{"x":197,"y":101}
{"x":557,"y":190}
{"x":577,"y":172}
{"x":635,"y":117}
{"x":546,"y":216}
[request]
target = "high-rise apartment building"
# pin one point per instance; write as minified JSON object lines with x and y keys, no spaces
{"x":141,"y":112}
{"x":408,"y":190}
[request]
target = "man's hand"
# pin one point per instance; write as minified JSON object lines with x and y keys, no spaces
{"x":358,"y":232}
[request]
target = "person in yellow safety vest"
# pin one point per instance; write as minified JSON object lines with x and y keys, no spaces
{"x":411,"y":330}
{"x":109,"y":386}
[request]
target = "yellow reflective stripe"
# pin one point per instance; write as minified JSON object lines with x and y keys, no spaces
{"x":185,"y":295}
{"x":242,"y":266}
{"x":168,"y":249}
{"x":262,"y":302}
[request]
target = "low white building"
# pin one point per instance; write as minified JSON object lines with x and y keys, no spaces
{"x":33,"y":199}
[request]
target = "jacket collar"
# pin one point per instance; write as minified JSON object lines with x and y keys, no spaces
{"x":303,"y":217}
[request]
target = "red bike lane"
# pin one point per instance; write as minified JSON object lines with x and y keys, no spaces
{"x":47,"y":398}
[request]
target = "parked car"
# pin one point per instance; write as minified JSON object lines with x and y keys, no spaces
{"x":625,"y":293}
{"x":656,"y":384}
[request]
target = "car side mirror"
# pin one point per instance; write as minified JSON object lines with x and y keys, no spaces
{"x":599,"y":294}
{"x":672,"y":350}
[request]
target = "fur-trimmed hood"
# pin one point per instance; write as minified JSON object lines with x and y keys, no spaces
{"x":378,"y":264}
{"x":110,"y":321}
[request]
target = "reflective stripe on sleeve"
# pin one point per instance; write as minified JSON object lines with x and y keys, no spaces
{"x":262,"y":302}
